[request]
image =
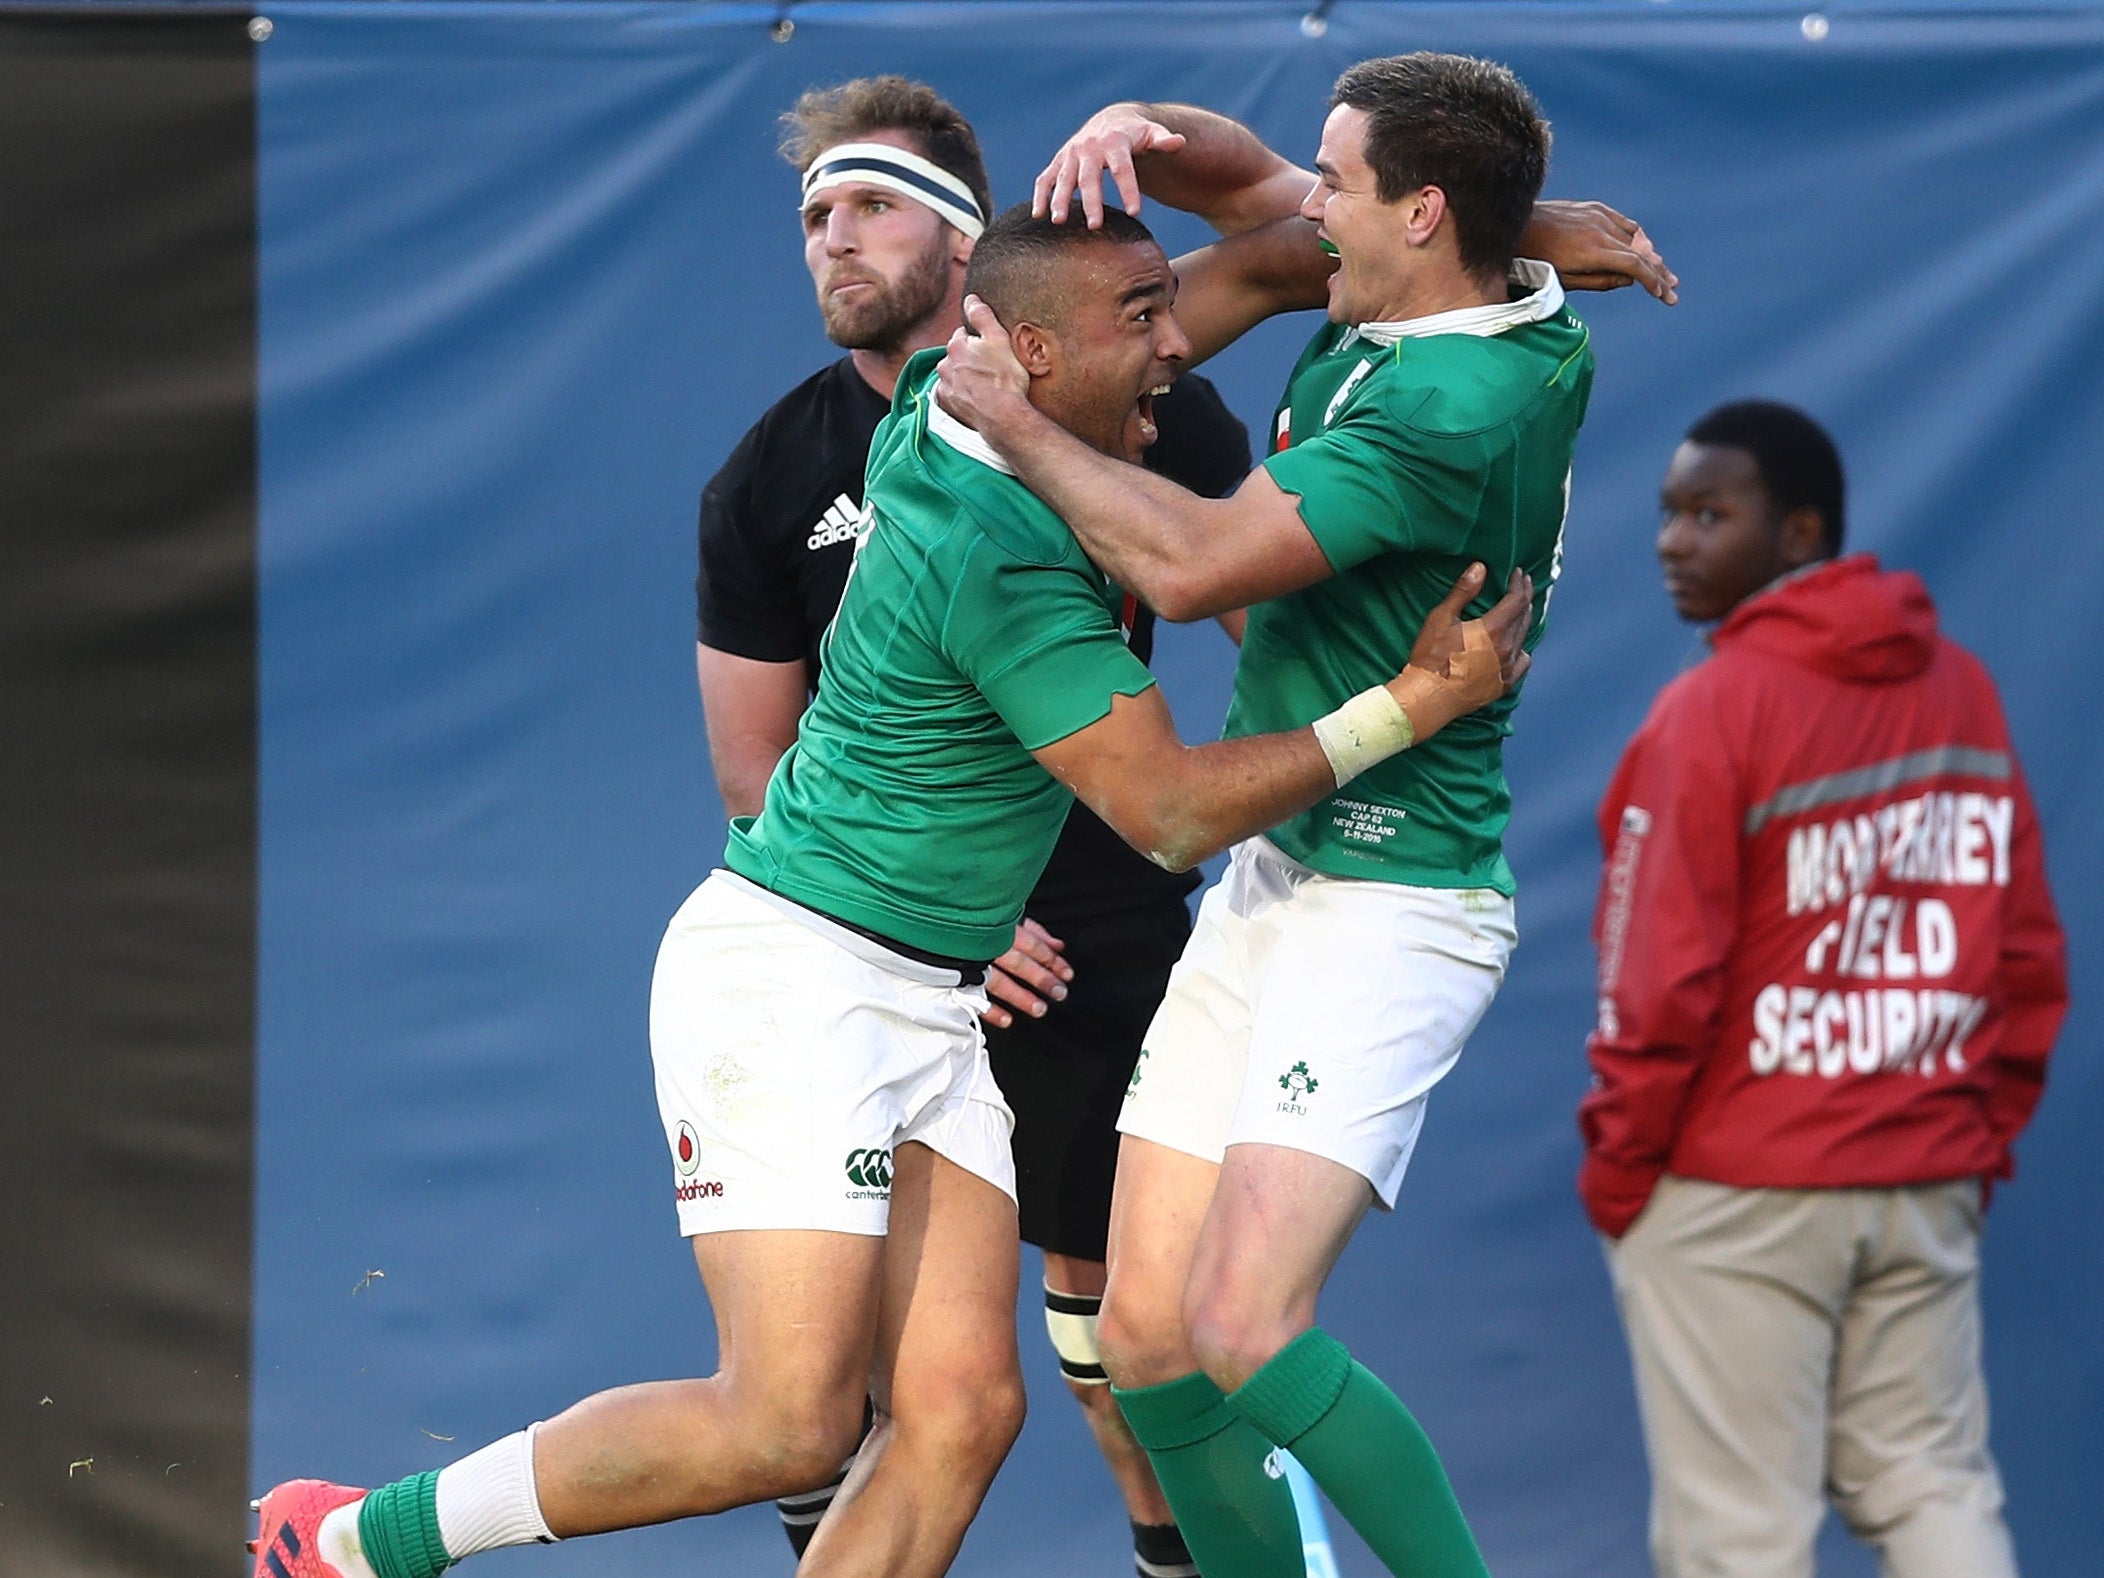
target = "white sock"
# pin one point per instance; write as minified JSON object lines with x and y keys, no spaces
{"x":488,"y":1499}
{"x":340,"y":1546}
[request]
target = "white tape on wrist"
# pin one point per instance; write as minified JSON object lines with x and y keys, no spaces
{"x":1369,"y":728}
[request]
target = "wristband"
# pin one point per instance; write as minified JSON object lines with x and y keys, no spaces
{"x":1369,"y":728}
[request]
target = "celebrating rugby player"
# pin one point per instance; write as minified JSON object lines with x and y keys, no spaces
{"x":1337,"y":970}
{"x":893,"y":196}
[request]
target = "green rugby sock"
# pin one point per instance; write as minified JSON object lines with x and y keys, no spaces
{"x":1237,"y":1519}
{"x":398,"y":1526}
{"x":1371,"y":1458}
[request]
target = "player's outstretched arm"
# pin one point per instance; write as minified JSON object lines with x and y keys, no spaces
{"x":1220,"y":170}
{"x":1177,"y":804}
{"x":1226,"y":289}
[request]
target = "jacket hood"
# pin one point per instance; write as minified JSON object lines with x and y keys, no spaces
{"x":1845,"y":617}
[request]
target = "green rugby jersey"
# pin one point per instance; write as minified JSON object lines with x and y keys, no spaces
{"x":1414,"y":449}
{"x":972,"y":631}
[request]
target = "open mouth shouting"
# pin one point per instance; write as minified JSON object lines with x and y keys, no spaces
{"x":1140,"y":428}
{"x":1145,"y":409}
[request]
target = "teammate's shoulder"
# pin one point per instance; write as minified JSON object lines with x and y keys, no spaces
{"x":995,"y":505}
{"x":1327,"y":337}
{"x":934,"y":474}
{"x":1560,"y":347}
{"x":916,"y":378}
{"x":1454,"y":385}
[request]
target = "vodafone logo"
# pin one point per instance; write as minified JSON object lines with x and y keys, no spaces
{"x":686,"y":1156}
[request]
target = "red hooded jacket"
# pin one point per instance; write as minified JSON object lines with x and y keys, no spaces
{"x":1828,"y":956}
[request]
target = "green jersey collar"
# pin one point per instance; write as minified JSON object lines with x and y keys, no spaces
{"x":966,"y":441}
{"x":1544,"y":299}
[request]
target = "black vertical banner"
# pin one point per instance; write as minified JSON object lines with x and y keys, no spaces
{"x":127,"y":789}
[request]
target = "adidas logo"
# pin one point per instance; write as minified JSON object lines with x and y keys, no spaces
{"x":842,"y":522}
{"x":284,"y":1545}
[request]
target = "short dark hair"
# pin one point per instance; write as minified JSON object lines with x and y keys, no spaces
{"x":1011,"y":268}
{"x":1466,"y":126}
{"x":1797,"y":461}
{"x":827,"y":117}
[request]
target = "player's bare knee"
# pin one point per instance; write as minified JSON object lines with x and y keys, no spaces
{"x":810,"y":1451}
{"x":804,"y":1437}
{"x":1004,"y":1415}
{"x":1141,"y":1347}
{"x":967,"y":1418}
{"x":995,"y":1413}
{"x":1230,"y":1341}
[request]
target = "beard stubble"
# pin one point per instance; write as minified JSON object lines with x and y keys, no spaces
{"x":881,"y":320}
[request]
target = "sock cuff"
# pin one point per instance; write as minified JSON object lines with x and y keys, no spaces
{"x":1159,"y":1542}
{"x":1158,"y":1551}
{"x":1177,"y":1413}
{"x":398,"y":1528}
{"x":1301,"y":1383}
{"x":489,"y":1499}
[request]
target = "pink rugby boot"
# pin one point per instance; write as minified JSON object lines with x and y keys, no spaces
{"x":287,"y":1542}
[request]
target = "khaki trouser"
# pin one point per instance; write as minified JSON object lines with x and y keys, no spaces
{"x":1797,"y":1344}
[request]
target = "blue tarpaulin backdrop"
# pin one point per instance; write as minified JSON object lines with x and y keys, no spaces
{"x":527,"y":273}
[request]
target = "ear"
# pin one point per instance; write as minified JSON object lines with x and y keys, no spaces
{"x":961,"y":246}
{"x":1802,"y":538}
{"x":1423,"y":210}
{"x":1035,"y":349}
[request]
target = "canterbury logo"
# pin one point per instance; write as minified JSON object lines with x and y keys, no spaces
{"x":869,"y":1169}
{"x":842,"y":522}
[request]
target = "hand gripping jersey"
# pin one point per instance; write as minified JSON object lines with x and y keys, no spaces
{"x":1415,"y":448}
{"x":1828,"y":956}
{"x":973,"y":630}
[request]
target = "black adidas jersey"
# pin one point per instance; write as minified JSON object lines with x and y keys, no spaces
{"x":777,"y":537}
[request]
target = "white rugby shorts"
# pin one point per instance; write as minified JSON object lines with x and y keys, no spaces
{"x":1317,"y":1013}
{"x":795,"y":1056}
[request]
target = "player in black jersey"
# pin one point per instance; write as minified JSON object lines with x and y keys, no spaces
{"x":894,"y":195}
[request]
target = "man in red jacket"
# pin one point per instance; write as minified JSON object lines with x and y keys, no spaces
{"x":1830,"y":973}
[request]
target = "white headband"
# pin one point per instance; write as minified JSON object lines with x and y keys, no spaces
{"x":896,"y":170}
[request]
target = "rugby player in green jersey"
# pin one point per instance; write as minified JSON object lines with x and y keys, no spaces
{"x":839,"y":1151}
{"x":1337,"y":970}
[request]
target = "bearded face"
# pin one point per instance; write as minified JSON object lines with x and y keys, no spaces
{"x":867,"y":310}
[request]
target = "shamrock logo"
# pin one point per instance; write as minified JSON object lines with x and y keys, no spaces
{"x":1298,"y":1081}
